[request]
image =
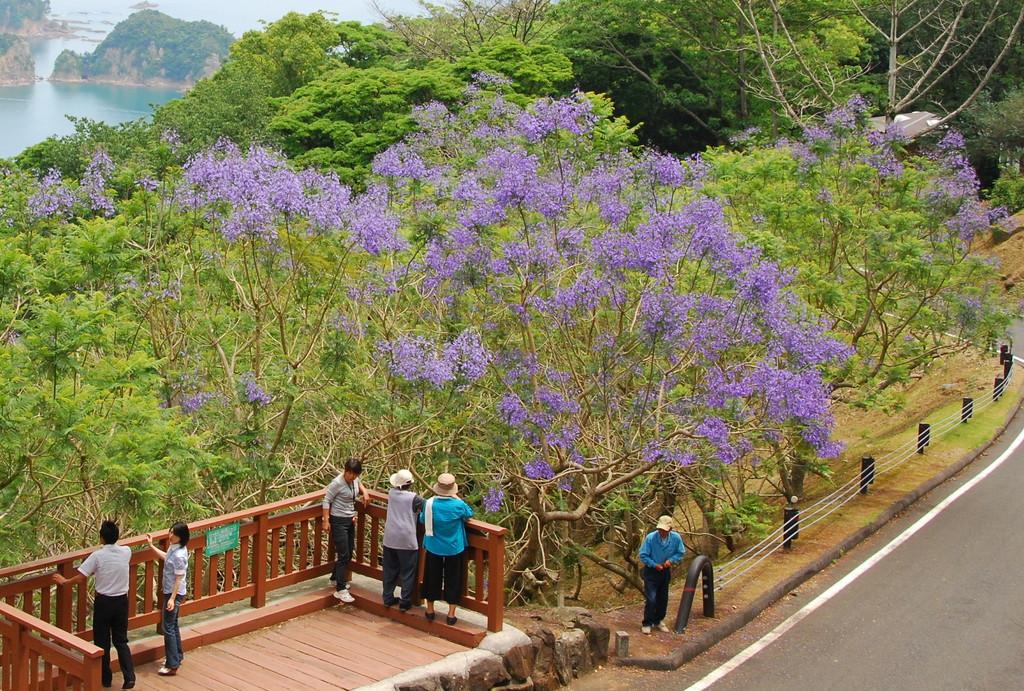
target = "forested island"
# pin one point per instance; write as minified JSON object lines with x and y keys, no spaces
{"x":16,"y":63}
{"x":149,"y":49}
{"x":29,"y":18}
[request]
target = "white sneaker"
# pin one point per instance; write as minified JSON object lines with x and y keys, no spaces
{"x":645,"y":630}
{"x":344,"y":596}
{"x":664,"y":629}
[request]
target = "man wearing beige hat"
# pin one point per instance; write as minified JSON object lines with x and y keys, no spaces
{"x":401,"y":547}
{"x":661,"y":550}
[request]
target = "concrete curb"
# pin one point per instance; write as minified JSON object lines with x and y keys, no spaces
{"x":744,"y":616}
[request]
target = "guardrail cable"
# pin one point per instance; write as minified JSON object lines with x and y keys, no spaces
{"x":824,"y":507}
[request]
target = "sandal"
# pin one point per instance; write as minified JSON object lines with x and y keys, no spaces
{"x":452,"y":621}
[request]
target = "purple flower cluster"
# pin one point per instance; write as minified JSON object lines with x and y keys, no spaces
{"x":93,"y":185}
{"x":253,"y":392}
{"x":53,"y":199}
{"x":418,"y":360}
{"x":255,"y":193}
{"x":538,"y":469}
{"x":192,"y":403}
{"x":574,"y":115}
{"x":494,"y":499}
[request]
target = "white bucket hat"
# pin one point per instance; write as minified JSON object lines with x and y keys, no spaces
{"x":402,"y":478}
{"x":665,"y":523}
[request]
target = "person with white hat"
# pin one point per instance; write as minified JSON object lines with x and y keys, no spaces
{"x":401,"y":546}
{"x":445,"y":543}
{"x":660,"y":551}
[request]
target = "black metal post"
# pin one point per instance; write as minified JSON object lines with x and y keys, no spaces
{"x":924,"y":436}
{"x":790,"y":525}
{"x":967,"y":410}
{"x":997,"y":388}
{"x":1007,"y":366}
{"x":1004,"y":354}
{"x":867,"y":473}
{"x":701,"y":568}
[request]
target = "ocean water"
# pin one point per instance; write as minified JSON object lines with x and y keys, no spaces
{"x":30,"y":114}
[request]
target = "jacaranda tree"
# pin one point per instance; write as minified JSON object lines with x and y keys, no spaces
{"x":588,"y":316}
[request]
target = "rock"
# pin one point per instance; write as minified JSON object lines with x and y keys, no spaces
{"x":484,"y":672}
{"x":598,"y":635}
{"x":544,"y":645}
{"x":487,"y":672}
{"x":546,"y":683}
{"x":572,"y":656}
{"x":431,"y":684}
{"x":526,"y":685}
{"x":519,"y":661}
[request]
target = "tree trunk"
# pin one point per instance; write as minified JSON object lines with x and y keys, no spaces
{"x":894,"y":23}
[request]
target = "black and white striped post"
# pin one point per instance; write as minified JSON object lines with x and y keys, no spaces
{"x":790,"y":523}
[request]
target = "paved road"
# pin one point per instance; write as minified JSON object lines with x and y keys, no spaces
{"x":945,"y":610}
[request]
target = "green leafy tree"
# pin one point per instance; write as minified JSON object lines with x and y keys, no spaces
{"x":343,"y":119}
{"x":238,"y":101}
{"x":450,"y":30}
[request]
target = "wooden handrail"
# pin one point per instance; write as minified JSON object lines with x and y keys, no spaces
{"x":281,"y":544}
{"x":61,"y":636}
{"x":46,"y":563}
{"x":37,"y":655}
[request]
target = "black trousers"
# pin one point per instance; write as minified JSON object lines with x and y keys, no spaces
{"x":400,"y":569}
{"x":442,"y":577}
{"x":655,"y":594}
{"x":343,"y":534}
{"x":110,"y":624}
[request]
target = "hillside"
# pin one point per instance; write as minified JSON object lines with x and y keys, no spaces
{"x":16,"y":63}
{"x":152,"y":49}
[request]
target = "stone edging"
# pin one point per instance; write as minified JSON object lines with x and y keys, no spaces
{"x":744,"y":616}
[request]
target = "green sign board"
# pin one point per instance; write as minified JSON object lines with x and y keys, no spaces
{"x":220,"y":540}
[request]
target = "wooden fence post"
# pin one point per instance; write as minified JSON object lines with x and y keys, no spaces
{"x":20,"y":657}
{"x":93,"y":672}
{"x":259,"y":562}
{"x":64,"y":597}
{"x":496,"y":582}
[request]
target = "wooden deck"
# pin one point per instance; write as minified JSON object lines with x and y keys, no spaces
{"x":338,"y":648}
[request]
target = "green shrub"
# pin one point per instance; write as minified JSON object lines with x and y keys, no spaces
{"x":1008,"y":191}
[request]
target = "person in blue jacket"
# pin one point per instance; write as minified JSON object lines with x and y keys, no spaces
{"x":661,"y":550}
{"x":445,"y":543}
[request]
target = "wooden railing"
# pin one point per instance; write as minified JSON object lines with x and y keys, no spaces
{"x":280,"y":544}
{"x":35,"y":655}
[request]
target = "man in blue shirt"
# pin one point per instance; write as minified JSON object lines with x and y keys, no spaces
{"x":662,"y":548}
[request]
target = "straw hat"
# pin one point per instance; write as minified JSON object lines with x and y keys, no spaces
{"x":445,"y":485}
{"x":665,"y":523}
{"x":402,"y":478}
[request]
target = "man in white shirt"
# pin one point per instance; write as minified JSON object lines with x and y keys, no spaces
{"x":109,"y":566}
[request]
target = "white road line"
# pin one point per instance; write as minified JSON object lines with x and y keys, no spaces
{"x":817,"y":602}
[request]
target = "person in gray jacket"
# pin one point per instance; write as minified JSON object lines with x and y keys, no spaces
{"x":339,"y":508}
{"x":401,"y":546}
